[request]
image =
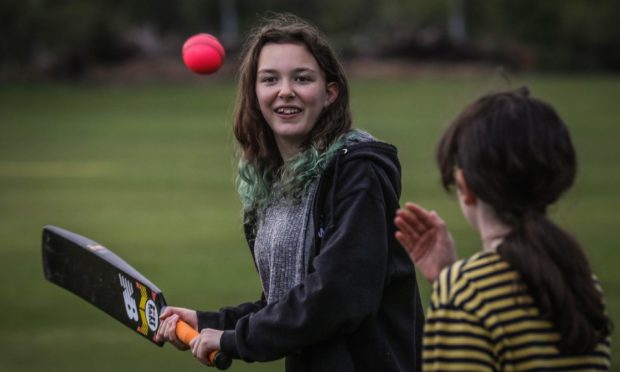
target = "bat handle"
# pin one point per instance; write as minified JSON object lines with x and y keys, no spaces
{"x":186,"y":333}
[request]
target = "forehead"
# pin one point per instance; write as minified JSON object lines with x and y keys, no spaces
{"x":286,"y":57}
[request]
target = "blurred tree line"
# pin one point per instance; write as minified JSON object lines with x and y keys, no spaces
{"x":65,"y":37}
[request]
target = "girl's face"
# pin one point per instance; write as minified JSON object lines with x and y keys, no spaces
{"x":292,"y":92}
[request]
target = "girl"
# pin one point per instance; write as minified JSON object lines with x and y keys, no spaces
{"x":529,"y":300}
{"x":318,"y":199}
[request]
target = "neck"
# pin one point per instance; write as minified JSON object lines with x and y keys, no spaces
{"x":490,"y":242}
{"x":492,"y":230}
{"x":287,"y":150}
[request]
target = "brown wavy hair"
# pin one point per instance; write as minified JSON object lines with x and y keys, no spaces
{"x":256,"y":140}
{"x":516,"y":155}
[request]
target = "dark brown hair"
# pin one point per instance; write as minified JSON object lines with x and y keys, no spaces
{"x":517,"y":156}
{"x":255,"y":137}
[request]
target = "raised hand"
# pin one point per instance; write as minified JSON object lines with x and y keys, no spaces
{"x":425,"y":236}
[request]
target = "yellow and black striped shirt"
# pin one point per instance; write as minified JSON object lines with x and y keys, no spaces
{"x":481,"y":318}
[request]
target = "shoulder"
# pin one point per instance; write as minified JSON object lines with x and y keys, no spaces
{"x":368,"y":166}
{"x":465,"y":280}
{"x":362,"y":145}
{"x":362,"y":165}
{"x":357,"y":144}
{"x":362,"y":153}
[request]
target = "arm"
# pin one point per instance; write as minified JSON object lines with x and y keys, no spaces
{"x":212,"y":324}
{"x":205,"y":346}
{"x":226,"y":318}
{"x":425,"y":237}
{"x":455,"y":339}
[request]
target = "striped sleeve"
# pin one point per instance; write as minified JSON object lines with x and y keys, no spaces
{"x":454,"y":338}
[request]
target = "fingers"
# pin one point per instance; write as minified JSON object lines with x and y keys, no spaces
{"x":203,"y":345}
{"x":197,"y":346}
{"x":413,"y":221}
{"x":164,"y":324}
{"x":167,"y":332}
{"x":405,"y":241}
{"x":187,"y":315}
{"x":168,"y":311}
{"x":407,"y":235}
{"x":417,"y":230}
{"x":428,"y":218}
{"x":423,"y":217}
{"x":410,"y":229}
{"x":436,"y":220}
{"x":407,"y":224}
{"x":165,"y":327}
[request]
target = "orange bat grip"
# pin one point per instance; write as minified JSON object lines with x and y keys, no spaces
{"x":186,"y":333}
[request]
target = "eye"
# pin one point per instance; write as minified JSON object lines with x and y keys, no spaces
{"x":267,"y":79}
{"x":303,"y":79}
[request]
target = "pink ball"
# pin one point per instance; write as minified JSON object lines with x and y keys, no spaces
{"x":203,"y":53}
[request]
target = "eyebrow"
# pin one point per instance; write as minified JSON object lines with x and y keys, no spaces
{"x":275,"y":71}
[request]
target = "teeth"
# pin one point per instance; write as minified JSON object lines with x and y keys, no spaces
{"x":288,"y":110}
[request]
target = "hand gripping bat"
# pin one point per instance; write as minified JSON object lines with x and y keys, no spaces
{"x":94,"y":273}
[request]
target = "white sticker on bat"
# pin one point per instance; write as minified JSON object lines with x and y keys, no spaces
{"x":152,"y":315}
{"x":130,"y":302}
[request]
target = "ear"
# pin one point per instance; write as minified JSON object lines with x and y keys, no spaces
{"x":469,"y":198}
{"x":332,"y":93}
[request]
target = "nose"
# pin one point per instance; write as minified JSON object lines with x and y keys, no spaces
{"x":286,"y":90}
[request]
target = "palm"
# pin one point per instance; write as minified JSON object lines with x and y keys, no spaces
{"x":426,"y":239}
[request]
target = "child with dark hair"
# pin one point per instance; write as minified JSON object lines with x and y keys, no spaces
{"x":528,"y":300}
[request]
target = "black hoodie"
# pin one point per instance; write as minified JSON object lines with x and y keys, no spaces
{"x":358,"y":309}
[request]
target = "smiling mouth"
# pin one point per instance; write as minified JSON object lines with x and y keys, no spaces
{"x":288,"y":110}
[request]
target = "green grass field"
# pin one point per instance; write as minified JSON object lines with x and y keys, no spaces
{"x":148,"y":171}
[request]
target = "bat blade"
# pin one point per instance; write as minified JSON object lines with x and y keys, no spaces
{"x":97,"y":275}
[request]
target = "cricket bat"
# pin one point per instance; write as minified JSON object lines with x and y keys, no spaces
{"x":94,"y":273}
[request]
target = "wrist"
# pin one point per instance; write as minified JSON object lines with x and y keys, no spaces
{"x":228,"y":343}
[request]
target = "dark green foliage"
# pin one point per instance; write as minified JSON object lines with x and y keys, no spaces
{"x":67,"y":36}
